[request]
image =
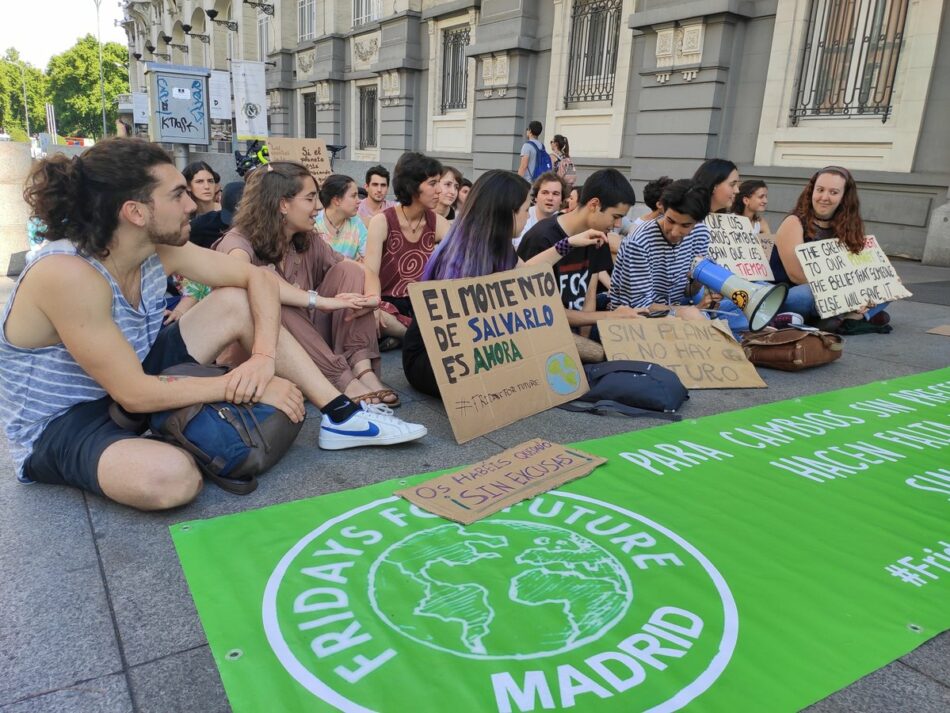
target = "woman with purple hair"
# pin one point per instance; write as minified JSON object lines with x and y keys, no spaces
{"x":477,"y":244}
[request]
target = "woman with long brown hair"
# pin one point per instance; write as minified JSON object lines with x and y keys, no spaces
{"x":751,"y":202}
{"x":331,"y":299}
{"x":827,"y":209}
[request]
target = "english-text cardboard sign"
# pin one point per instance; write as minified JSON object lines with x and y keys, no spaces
{"x":500,"y":347}
{"x":702,"y":353}
{"x":312,"y":153}
{"x":842,"y":281}
{"x":519,"y":473}
{"x":733,"y":245}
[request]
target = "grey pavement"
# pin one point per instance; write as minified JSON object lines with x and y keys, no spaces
{"x":97,"y":615}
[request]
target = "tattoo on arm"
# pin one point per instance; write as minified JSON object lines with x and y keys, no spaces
{"x":167,"y":379}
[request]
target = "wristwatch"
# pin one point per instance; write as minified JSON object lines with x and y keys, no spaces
{"x":312,"y":302}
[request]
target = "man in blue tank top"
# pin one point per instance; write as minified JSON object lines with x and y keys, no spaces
{"x":83,"y":327}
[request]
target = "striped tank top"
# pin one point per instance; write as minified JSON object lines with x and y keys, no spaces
{"x":37,"y":385}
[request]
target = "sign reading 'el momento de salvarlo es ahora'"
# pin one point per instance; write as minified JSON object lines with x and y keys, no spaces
{"x":500,"y":347}
{"x":843,"y":281}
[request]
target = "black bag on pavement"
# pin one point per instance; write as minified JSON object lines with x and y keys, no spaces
{"x":633,"y":388}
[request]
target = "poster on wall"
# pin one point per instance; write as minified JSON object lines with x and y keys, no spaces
{"x":140,"y":107}
{"x":219,"y":94}
{"x":250,"y":100}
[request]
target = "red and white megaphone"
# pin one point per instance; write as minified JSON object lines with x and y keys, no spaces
{"x":758,"y":302}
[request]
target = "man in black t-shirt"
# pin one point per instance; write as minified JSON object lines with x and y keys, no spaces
{"x":605,"y":200}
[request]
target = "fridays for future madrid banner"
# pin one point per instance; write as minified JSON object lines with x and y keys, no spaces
{"x":756,"y":560}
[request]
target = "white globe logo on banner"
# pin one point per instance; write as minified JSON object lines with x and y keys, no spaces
{"x":563,"y":597}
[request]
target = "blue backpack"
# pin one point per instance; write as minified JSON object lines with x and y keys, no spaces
{"x":231,"y":443}
{"x":542,"y":160}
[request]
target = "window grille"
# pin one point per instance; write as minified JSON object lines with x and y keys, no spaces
{"x":454,"y":68}
{"x":367,"y":117}
{"x":592,"y":59}
{"x":850,"y":57}
{"x":365,"y":11}
{"x":306,"y":20}
{"x":310,"y":116}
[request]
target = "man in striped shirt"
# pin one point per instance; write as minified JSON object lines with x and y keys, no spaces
{"x":652,"y":267}
{"x":83,"y":327}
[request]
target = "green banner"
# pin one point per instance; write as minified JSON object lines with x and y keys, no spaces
{"x":754,"y":560}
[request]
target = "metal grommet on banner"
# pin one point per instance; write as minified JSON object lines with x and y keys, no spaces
{"x":234,"y":654}
{"x":916,"y":628}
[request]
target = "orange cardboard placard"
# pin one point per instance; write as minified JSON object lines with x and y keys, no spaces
{"x":312,"y":153}
{"x":500,"y":347}
{"x":519,"y":473}
{"x":702,"y":353}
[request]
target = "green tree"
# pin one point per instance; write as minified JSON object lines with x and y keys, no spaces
{"x":74,"y":86}
{"x":13,"y":72}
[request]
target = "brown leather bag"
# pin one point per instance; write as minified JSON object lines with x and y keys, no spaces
{"x":791,"y":349}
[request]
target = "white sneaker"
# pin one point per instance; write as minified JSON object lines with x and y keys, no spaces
{"x":373,"y":425}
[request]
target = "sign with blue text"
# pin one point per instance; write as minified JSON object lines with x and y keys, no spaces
{"x":500,"y":347}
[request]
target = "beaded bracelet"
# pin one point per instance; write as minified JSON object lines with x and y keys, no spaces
{"x":563,"y":247}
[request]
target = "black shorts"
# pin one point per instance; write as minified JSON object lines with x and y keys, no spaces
{"x":68,"y":450}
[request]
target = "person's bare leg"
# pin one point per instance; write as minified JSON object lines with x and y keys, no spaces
{"x":148,"y":475}
{"x":389,"y":326}
{"x":367,"y":376}
{"x":224,"y":317}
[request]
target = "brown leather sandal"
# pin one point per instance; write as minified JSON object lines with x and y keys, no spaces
{"x":380,"y":398}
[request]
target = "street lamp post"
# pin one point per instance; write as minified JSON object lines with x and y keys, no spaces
{"x":102,"y":83}
{"x":26,"y":105}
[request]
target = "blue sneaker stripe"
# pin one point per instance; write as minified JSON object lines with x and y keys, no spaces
{"x":371,"y":430}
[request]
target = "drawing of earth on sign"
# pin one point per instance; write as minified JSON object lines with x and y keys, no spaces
{"x":562,"y":373}
{"x":468,"y":592}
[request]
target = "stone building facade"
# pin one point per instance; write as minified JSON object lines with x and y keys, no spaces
{"x":651,"y":87}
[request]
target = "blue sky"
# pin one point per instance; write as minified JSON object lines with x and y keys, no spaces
{"x":41,"y":28}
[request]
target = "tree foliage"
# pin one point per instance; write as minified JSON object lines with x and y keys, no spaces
{"x":74,"y":86}
{"x":13,"y":73}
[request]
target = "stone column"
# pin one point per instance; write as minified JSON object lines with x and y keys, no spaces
{"x":937,"y":247}
{"x":328,"y":59}
{"x":506,"y":79}
{"x":398,"y":64}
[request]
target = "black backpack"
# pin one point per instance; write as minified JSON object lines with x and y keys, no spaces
{"x":633,"y":388}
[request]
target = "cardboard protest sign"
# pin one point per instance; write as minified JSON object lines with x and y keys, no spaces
{"x":943,"y":330}
{"x":733,"y":245}
{"x":702,"y":353}
{"x":519,"y":473}
{"x":500,"y":347}
{"x":767,"y":243}
{"x":843,"y":282}
{"x":312,"y":153}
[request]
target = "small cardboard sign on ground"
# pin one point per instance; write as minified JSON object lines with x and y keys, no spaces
{"x":499,"y":346}
{"x":702,"y":353}
{"x":519,"y":473}
{"x":943,"y":330}
{"x":733,"y":245}
{"x":312,"y":153}
{"x":842,"y":281}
